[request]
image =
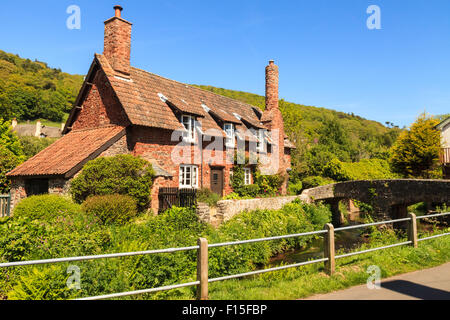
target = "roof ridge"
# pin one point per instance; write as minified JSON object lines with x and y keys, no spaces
{"x":200,"y":89}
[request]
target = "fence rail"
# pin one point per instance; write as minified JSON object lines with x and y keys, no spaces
{"x":5,"y":205}
{"x":202,"y":256}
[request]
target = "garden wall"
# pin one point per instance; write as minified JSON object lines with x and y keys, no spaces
{"x":227,"y":209}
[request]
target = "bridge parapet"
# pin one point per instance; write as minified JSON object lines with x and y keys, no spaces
{"x":389,"y":198}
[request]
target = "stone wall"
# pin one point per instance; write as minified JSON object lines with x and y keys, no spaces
{"x":227,"y":209}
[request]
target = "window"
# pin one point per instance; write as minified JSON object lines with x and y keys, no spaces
{"x":188,"y":176}
{"x":260,"y":146}
{"x":189,"y":125}
{"x":229,"y":130}
{"x":247,"y":176}
{"x":35,"y":187}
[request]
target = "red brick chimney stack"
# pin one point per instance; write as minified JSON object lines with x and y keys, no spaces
{"x":118,"y":43}
{"x":272,"y":75}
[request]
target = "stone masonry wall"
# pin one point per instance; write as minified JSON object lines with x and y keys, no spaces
{"x":227,"y":209}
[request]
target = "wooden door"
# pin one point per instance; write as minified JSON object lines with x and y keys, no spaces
{"x":217,"y":181}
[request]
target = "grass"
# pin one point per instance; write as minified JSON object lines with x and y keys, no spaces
{"x":297,"y":283}
{"x":48,"y":123}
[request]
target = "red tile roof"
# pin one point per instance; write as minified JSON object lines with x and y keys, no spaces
{"x":141,"y":99}
{"x":69,"y":153}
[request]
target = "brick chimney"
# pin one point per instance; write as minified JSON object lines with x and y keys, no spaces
{"x":117,"y":47}
{"x":273,"y":119}
{"x":272,"y":76}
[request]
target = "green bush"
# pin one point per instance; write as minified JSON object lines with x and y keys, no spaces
{"x":295,"y":188}
{"x":122,"y":174}
{"x":269,"y":185}
{"x":116,"y":209}
{"x":45,"y":207}
{"x":205,"y":195}
{"x":316,"y":181}
{"x":363,"y":170}
{"x":251,"y":190}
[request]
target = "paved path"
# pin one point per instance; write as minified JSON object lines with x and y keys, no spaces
{"x":428,"y":284}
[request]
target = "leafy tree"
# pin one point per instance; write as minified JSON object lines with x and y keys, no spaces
{"x":122,"y":174}
{"x":11,"y":154}
{"x":416,"y":152}
{"x":34,"y":145}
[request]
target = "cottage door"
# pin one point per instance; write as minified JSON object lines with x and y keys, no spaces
{"x":217,"y":181}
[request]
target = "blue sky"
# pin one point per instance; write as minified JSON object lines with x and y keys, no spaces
{"x":326,"y":54}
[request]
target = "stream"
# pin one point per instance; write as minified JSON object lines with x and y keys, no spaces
{"x":348,"y":240}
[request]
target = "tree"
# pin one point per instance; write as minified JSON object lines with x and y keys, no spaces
{"x":416,"y":151}
{"x":11,"y":154}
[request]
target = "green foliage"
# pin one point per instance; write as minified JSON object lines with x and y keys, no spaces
{"x":111,"y":209}
{"x":33,"y":145}
{"x":122,"y":174}
{"x":363,"y":170}
{"x":249,"y":191}
{"x":44,"y":207}
{"x":292,"y":218}
{"x":31,"y":90}
{"x":416,"y":152}
{"x":316,"y":181}
{"x":76,"y":233}
{"x":8,"y":161}
{"x":11,"y":154}
{"x":295,"y":188}
{"x":268,"y":185}
{"x":42,"y":284}
{"x":205,"y":195}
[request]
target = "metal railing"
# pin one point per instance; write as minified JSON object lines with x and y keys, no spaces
{"x":202,"y":256}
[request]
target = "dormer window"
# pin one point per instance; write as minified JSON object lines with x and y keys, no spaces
{"x":189,"y":124}
{"x":230,"y":135}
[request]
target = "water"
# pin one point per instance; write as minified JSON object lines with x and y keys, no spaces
{"x":347,"y":239}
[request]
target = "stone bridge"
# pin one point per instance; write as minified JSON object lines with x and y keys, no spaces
{"x":389,"y":198}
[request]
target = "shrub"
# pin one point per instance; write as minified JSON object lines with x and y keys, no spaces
{"x":251,"y":191}
{"x":45,"y":207}
{"x":363,"y":170}
{"x":207,"y":196}
{"x":295,"y":188}
{"x":316,"y":181}
{"x":116,"y":209}
{"x":122,"y":174}
{"x":269,"y":185}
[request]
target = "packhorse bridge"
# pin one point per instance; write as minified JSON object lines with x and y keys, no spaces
{"x":389,"y":198}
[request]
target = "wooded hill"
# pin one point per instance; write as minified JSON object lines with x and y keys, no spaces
{"x":30,"y":90}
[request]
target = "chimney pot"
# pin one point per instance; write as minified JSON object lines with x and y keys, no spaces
{"x":118,"y":10}
{"x":271,"y":62}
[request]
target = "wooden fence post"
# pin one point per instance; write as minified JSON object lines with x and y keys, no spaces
{"x":329,"y":250}
{"x":202,"y":269}
{"x":412,"y":230}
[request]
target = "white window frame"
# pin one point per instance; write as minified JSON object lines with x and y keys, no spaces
{"x":230,"y":139}
{"x":261,"y":144}
{"x":188,"y":122}
{"x":247,"y":176}
{"x":188,"y":178}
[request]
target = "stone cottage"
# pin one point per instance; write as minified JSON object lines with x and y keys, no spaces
{"x":125,"y":110}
